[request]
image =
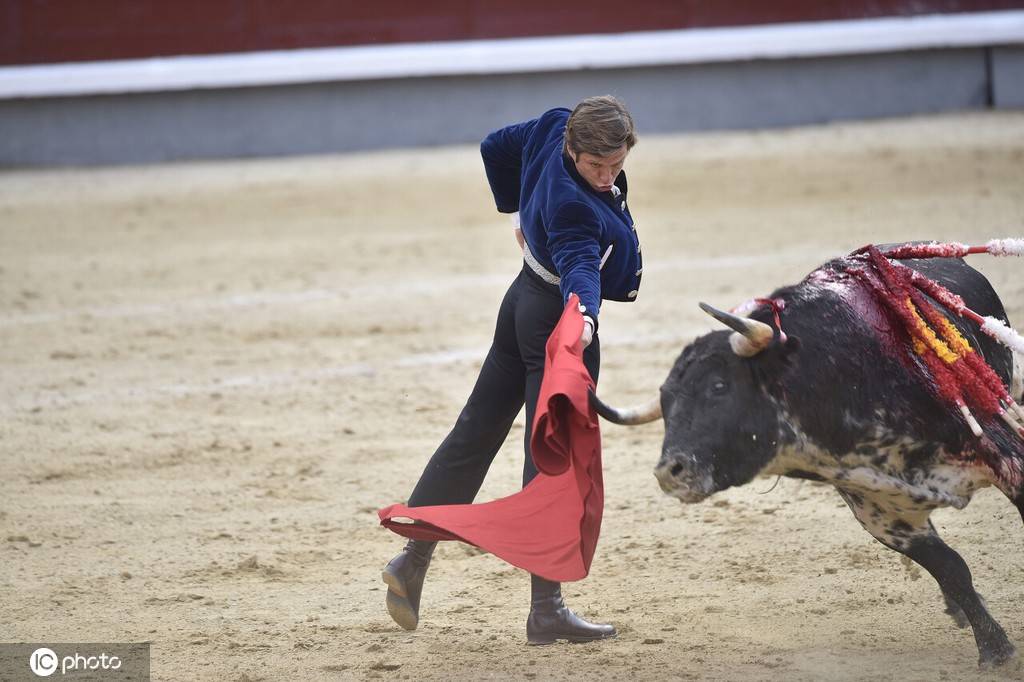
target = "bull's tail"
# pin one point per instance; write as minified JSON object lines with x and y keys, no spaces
{"x":1020,"y":504}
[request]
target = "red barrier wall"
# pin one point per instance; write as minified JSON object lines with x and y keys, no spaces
{"x":43,"y":31}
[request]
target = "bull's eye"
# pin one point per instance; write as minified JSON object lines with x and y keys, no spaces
{"x":718,"y":387}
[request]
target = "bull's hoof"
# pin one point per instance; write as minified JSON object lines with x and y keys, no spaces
{"x":997,"y":656}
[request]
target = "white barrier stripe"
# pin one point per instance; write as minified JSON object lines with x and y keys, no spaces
{"x":516,"y":55}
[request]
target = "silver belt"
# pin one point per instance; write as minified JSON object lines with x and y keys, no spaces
{"x":550,"y":277}
{"x":535,"y":265}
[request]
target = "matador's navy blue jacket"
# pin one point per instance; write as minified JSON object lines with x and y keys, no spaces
{"x":568,"y":226}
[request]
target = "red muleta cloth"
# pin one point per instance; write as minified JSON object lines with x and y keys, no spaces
{"x":551,"y":526}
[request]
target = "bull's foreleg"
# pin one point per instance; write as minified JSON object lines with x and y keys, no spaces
{"x":907,"y":530}
{"x":954,"y":578}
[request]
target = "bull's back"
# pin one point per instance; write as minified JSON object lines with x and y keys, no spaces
{"x":856,"y":370}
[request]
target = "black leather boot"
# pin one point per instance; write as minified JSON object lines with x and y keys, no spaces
{"x":404,"y":577}
{"x":550,"y":619}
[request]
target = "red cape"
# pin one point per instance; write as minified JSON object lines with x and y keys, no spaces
{"x":549,"y":528}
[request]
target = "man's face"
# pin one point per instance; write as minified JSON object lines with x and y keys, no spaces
{"x":600,"y":171}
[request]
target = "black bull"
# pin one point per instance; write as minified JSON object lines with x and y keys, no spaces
{"x":837,"y":400}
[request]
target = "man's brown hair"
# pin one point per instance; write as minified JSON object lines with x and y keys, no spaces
{"x":600,"y":126}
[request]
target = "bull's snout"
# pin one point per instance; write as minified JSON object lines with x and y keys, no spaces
{"x":681,"y":475}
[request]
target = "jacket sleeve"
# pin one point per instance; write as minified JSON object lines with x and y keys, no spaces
{"x":574,"y":244}
{"x":502,"y":152}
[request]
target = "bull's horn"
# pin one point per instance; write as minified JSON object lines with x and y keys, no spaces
{"x":751,"y":336}
{"x":628,"y":417}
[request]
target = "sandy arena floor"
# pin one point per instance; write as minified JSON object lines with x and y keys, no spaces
{"x":213,"y":374}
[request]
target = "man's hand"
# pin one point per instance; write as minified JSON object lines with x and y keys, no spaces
{"x":588,"y":332}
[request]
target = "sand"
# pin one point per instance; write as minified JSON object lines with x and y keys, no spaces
{"x":213,"y":374}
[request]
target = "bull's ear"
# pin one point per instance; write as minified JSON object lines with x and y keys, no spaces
{"x":779,"y":358}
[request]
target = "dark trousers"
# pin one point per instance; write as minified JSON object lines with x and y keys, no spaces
{"x":511,"y":375}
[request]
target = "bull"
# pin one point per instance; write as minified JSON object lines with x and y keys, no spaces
{"x":831,"y":399}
